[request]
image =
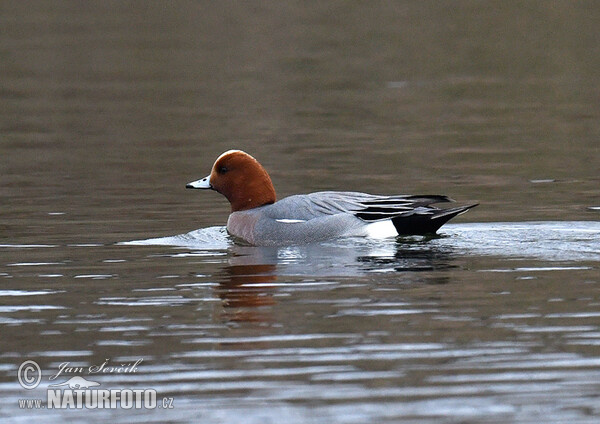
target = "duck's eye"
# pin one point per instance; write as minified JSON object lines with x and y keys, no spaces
{"x":223,"y":170}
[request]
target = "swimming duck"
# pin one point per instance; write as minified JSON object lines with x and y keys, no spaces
{"x":259,"y":219}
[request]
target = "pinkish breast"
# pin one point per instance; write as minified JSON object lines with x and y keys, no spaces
{"x":241,"y":225}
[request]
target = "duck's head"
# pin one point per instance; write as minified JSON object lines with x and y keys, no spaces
{"x":241,"y":179}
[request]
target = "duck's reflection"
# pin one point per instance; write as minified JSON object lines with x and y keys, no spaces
{"x":245,"y":291}
{"x":249,"y":281}
{"x":410,"y":256}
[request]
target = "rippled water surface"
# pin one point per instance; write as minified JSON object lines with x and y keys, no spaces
{"x":109,"y":108}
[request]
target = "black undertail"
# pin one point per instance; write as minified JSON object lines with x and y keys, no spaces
{"x":421,"y":224}
{"x":411,"y":215}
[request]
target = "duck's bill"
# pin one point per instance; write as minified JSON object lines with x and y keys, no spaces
{"x":203,"y":183}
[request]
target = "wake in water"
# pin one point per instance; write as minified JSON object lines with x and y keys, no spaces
{"x":211,"y":238}
{"x":547,"y":240}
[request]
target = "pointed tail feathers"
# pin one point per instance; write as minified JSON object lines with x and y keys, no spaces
{"x":419,"y":224}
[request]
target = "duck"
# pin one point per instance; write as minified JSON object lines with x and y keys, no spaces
{"x":257,"y":218}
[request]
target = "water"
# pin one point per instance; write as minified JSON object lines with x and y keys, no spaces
{"x":451,"y":328}
{"x":109,"y":108}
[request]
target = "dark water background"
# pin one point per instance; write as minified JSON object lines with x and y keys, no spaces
{"x":108,"y":108}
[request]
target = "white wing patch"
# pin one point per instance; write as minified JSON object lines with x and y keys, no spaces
{"x":291,"y":221}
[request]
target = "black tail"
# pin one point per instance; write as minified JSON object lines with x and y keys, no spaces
{"x":420,"y":224}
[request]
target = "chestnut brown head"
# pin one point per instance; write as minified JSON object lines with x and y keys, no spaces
{"x":241,"y":179}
